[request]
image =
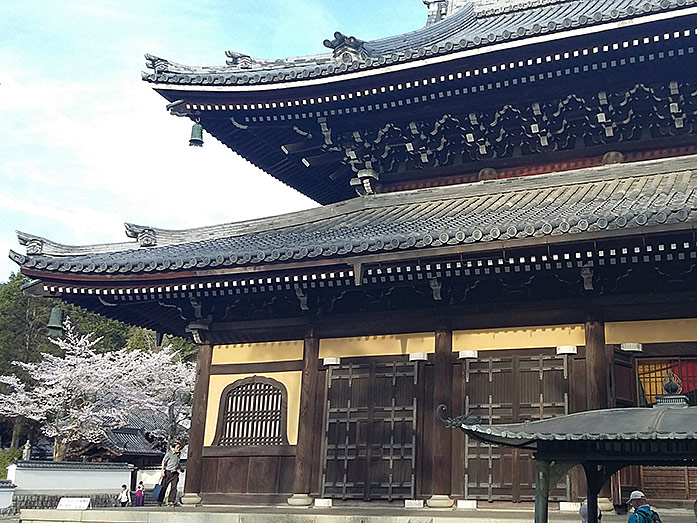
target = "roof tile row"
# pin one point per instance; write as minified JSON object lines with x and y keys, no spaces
{"x":464,"y":29}
{"x":623,"y":198}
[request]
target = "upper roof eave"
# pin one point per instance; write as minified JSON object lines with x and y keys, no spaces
{"x":224,"y":79}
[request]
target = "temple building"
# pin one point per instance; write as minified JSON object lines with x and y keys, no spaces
{"x":509,"y":203}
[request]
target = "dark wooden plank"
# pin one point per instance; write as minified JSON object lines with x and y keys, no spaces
{"x":198,"y":420}
{"x":286,"y":474}
{"x":258,"y":450}
{"x":252,"y":368}
{"x":243,"y":498}
{"x":318,"y":439}
{"x":263,"y":475}
{"x":209,"y":478}
{"x":424,"y":429}
{"x":442,"y":394}
{"x":306,"y":424}
{"x":233,"y":474}
{"x":457,"y":477}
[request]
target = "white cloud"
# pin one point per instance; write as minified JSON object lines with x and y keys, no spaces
{"x":85,"y":145}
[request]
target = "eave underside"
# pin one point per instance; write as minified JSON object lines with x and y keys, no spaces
{"x":581,"y":98}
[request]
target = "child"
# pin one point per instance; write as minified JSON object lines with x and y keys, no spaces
{"x":125,"y":496}
{"x":140,"y":491}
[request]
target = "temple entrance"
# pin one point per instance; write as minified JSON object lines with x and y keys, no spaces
{"x":505,"y":388}
{"x":370,"y":423}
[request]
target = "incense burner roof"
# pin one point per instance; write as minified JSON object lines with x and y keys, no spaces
{"x":613,"y":200}
{"x":469,"y":29}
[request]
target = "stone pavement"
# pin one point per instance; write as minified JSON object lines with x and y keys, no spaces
{"x":284,"y":514}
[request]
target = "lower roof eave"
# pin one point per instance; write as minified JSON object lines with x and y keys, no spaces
{"x":432,"y":254}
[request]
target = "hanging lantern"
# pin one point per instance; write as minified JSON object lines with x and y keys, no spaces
{"x":55,"y":322}
{"x":196,"y":135}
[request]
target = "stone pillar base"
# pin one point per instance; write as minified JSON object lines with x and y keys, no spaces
{"x":300,"y":500}
{"x":439,"y":501}
{"x":191,"y":498}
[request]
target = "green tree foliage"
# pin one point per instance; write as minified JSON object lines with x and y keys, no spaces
{"x":23,"y":320}
{"x":7,"y":456}
{"x":145,"y":339}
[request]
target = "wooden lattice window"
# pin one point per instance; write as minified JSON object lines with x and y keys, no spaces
{"x":653,"y":373}
{"x":252,"y":412}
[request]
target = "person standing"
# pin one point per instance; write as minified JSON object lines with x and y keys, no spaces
{"x":642,"y":511}
{"x":140,"y":493}
{"x":170,"y":473}
{"x":125,"y":496}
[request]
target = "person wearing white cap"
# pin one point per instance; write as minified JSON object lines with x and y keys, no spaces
{"x":642,"y":510}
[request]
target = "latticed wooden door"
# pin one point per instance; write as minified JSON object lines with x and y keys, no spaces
{"x":370,"y":431}
{"x":510,"y":389}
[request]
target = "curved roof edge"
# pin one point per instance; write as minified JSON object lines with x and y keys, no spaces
{"x":464,"y":30}
{"x":147,"y":236}
{"x":633,"y":423}
{"x":655,"y":196}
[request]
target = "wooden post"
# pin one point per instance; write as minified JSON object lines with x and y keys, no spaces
{"x":194,"y":466}
{"x":541,"y":491}
{"x":305,"y":449}
{"x":441,"y":468}
{"x":597,"y":391}
{"x":596,"y":366}
{"x":595,"y":481}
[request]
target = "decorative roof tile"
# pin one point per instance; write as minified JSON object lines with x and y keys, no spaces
{"x":620,"y":199}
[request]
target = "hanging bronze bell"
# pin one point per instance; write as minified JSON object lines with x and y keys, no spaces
{"x":55,"y":322}
{"x":196,"y":135}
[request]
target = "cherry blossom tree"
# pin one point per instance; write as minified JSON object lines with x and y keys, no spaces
{"x":170,"y":383}
{"x":79,"y":396}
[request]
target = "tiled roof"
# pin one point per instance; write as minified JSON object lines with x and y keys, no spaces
{"x":71,"y":465}
{"x":130,"y":441}
{"x":608,"y":424}
{"x":618,"y":200}
{"x":465,"y":29}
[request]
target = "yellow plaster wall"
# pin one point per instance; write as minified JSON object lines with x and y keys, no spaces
{"x":258,"y":352}
{"x":218,"y":382}
{"x":657,"y":331}
{"x":377,"y":345}
{"x":519,"y":338}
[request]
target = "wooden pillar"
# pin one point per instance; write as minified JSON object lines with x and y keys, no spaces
{"x":597,"y":390}
{"x":541,"y":491}
{"x":547,"y":476}
{"x":194,"y":465}
{"x":595,"y":481}
{"x":306,"y":449}
{"x":441,"y":446}
{"x":596,"y":366}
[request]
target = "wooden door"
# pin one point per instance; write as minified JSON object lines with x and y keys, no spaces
{"x":370,"y":431}
{"x":510,"y":388}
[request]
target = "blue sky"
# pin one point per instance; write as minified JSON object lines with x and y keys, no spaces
{"x":85,"y":145}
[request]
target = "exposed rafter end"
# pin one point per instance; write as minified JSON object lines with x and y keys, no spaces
{"x":357,"y":273}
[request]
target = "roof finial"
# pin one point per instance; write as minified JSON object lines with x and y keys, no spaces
{"x":437,"y":10}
